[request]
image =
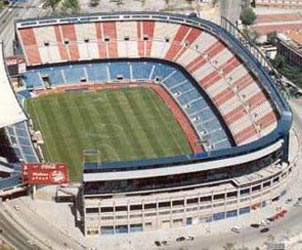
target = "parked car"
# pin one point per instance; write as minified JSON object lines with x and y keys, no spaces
{"x":181,"y":238}
{"x":264,"y":230}
{"x":189,"y":238}
{"x":255,"y":225}
{"x":235,"y":229}
{"x":157,"y":243}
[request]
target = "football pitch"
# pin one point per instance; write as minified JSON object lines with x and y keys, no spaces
{"x":123,"y":124}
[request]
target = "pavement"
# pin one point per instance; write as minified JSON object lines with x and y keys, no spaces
{"x":17,"y":10}
{"x":230,"y":9}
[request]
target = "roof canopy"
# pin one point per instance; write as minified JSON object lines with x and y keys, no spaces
{"x":11,"y":111}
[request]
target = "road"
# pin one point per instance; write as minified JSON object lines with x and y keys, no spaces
{"x":230,"y":9}
{"x":35,"y":228}
{"x":10,"y":14}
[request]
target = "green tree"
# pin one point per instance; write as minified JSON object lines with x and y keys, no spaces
{"x":248,"y":16}
{"x":271,"y":37}
{"x":70,"y":6}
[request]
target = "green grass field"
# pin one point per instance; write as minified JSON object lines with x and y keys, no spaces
{"x":123,"y":124}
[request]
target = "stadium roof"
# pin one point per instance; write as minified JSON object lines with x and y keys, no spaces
{"x":10,"y":110}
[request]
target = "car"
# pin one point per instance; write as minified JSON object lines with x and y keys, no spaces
{"x":264,"y":230}
{"x":271,"y":219}
{"x":181,"y":238}
{"x":164,"y":242}
{"x":189,"y":238}
{"x":157,"y":243}
{"x":289,"y":200}
{"x":255,"y":225}
{"x":235,"y":229}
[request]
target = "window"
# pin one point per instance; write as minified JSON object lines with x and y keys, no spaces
{"x":126,"y":38}
{"x":192,"y":201}
{"x":165,"y":204}
{"x":136,"y":207}
{"x":106,"y":209}
{"x":150,"y":206}
{"x":66,"y":42}
{"x":167,"y":39}
{"x":146,"y":38}
{"x":178,"y":203}
{"x":120,"y":208}
{"x":107,"y":39}
{"x":86,"y":40}
{"x":46,"y":43}
{"x":90,"y":210}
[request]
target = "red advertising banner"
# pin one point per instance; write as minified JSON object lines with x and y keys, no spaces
{"x":45,"y":173}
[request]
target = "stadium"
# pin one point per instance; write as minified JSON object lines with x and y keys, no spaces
{"x":167,"y":120}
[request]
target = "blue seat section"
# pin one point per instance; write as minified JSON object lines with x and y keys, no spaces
{"x":141,"y":70}
{"x":11,"y":181}
{"x":21,"y":142}
{"x":55,"y":75}
{"x":161,"y":71}
{"x":74,"y":73}
{"x":183,"y":90}
{"x":174,"y":79}
{"x":119,"y":69}
{"x":97,"y":72}
{"x":33,"y":79}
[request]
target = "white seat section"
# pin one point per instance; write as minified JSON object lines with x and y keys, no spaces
{"x":10,"y":110}
{"x":126,"y":29}
{"x":54,"y":54}
{"x":236,"y":73}
{"x":268,"y":129}
{"x":132,"y":49}
{"x":93,"y":51}
{"x":203,"y":71}
{"x":221,"y":58}
{"x":83,"y":50}
{"x":240,"y":124}
{"x":157,"y":48}
{"x":250,"y":139}
{"x":218,"y":87}
{"x":247,"y":92}
{"x":203,"y":42}
{"x":45,"y":34}
{"x":46,"y":37}
{"x":44,"y":54}
{"x":122,"y":48}
{"x":229,"y":105}
{"x":85,"y":31}
{"x":161,"y":32}
{"x":262,"y":109}
{"x":188,"y":56}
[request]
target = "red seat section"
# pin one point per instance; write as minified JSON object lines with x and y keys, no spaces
{"x":100,"y":41}
{"x":148,"y":31}
{"x":109,"y":29}
{"x":61,"y":45}
{"x":177,"y":42}
{"x":68,"y":31}
{"x":28,"y":37}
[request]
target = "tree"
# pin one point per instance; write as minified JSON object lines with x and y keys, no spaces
{"x":94,"y":3}
{"x":271,"y":37}
{"x":248,"y":16}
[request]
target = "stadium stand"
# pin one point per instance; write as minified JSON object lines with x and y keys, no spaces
{"x":205,"y":57}
{"x":176,"y":83}
{"x":230,"y":100}
{"x":10,"y":110}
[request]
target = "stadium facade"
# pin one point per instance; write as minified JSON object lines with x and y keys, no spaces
{"x":242,"y":122}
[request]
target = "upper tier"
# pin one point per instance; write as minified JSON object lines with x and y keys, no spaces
{"x":249,"y":107}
